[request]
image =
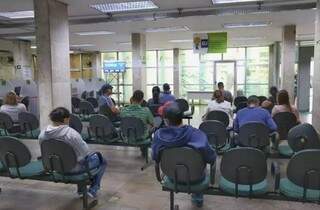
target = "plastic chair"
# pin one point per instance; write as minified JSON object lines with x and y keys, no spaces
{"x":285,"y":121}
{"x":106,"y":111}
{"x":254,"y":134}
{"x":75,"y":105}
{"x":240,"y":99}
{"x":94,"y":102}
{"x":75,"y":123}
{"x":184,"y":106}
{"x":101,"y":129}
{"x":29,"y":124}
{"x":86,"y":109}
{"x":219,"y":116}
{"x":7,"y":125}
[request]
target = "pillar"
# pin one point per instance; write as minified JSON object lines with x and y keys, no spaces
{"x":53,"y":61}
{"x":22,"y":56}
{"x":288,"y":57}
{"x":274,"y":64}
{"x":316,"y":75}
{"x":176,"y":72}
{"x":303,"y":80}
{"x":96,"y":65}
{"x":139,"y":61}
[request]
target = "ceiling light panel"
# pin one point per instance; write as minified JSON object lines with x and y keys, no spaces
{"x":168,"y":29}
{"x":81,"y":45}
{"x":92,"y":33}
{"x":18,"y":14}
{"x":232,"y":1}
{"x":180,"y":40}
{"x":246,"y":25}
{"x":124,"y":6}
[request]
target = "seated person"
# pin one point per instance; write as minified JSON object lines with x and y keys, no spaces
{"x":219,"y":104}
{"x":273,"y":95}
{"x":253,"y":113}
{"x":12,"y":107}
{"x":179,"y":135}
{"x":155,"y":96}
{"x":106,"y":100}
{"x":136,"y":110}
{"x":166,"y":96}
{"x":284,"y":105}
{"x":61,"y":131}
{"x":226,"y":94}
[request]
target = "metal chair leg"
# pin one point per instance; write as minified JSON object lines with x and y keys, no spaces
{"x":171,"y":200}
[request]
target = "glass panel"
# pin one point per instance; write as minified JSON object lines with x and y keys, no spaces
{"x":109,"y":56}
{"x":241,"y":75}
{"x":127,"y":57}
{"x":256,"y":89}
{"x":188,"y":58}
{"x":128,"y":77}
{"x":225,"y":74}
{"x":165,"y":58}
{"x":234,"y":54}
{"x":165,"y":75}
{"x":151,"y":75}
{"x":151,"y":59}
{"x":210,"y":57}
{"x":189,"y":75}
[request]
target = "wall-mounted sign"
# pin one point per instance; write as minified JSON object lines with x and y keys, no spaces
{"x":114,"y":66}
{"x":210,"y":43}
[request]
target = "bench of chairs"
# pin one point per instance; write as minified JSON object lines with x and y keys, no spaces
{"x":243,"y":173}
{"x":187,"y":111}
{"x":56,"y":163}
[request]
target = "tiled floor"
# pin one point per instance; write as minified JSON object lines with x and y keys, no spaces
{"x":124,"y":187}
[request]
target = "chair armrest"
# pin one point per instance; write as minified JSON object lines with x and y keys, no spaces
{"x":275,"y":171}
{"x":157,"y":170}
{"x":212,"y":173}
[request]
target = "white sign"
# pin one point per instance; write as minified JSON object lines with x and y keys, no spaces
{"x":200,"y":43}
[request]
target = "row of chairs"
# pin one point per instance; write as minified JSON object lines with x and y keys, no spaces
{"x":55,"y":164}
{"x":243,"y":173}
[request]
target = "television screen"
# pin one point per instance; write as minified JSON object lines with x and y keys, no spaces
{"x":114,"y":66}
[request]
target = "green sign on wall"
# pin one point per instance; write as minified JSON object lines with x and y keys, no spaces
{"x":217,"y":42}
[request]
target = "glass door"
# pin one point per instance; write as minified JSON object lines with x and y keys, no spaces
{"x":225,"y":71}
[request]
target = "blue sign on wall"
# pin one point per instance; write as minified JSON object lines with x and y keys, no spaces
{"x":114,"y":66}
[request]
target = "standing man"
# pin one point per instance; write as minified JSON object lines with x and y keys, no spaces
{"x":166,"y":96}
{"x":227,"y":94}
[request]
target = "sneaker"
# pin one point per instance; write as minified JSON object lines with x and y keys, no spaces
{"x":197,"y":200}
{"x":92,"y":193}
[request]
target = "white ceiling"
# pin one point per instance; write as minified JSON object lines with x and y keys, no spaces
{"x":304,"y":19}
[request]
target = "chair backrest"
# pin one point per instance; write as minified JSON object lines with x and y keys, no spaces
{"x":86,"y":108}
{"x":84,"y":94}
{"x":93,"y":101}
{"x":6,"y":121}
{"x":304,"y":169}
{"x":183,"y":104}
{"x":132,"y":128}
{"x":13,"y":153}
{"x":75,"y":123}
{"x":219,"y":116}
{"x":303,"y":136}
{"x":240,"y":99}
{"x":182,"y":164}
{"x":106,"y":111}
{"x":58,"y":156}
{"x":216,"y":132}
{"x":75,"y":101}
{"x":254,"y":134}
{"x":285,"y":121}
{"x":28,"y":121}
{"x":100,"y":126}
{"x":247,"y":166}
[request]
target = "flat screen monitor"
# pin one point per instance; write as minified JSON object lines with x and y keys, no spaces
{"x":114,"y":66}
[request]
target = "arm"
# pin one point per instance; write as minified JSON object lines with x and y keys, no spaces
{"x":236,"y":125}
{"x":150,"y":118}
{"x":270,"y":122}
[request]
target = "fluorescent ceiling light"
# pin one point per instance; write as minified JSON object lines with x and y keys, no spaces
{"x":231,"y":1}
{"x":18,"y":14}
{"x":91,"y":33}
{"x":124,"y":43}
{"x":246,"y":25}
{"x":167,"y":29}
{"x":247,"y":38}
{"x":33,"y":47}
{"x":81,"y":45}
{"x":180,"y":40}
{"x":26,"y":37}
{"x":305,"y":36}
{"x":124,"y":6}
{"x":307,"y":43}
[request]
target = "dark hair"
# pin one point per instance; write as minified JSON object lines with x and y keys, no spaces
{"x":156,"y":94}
{"x":105,"y":88}
{"x":253,"y":100}
{"x":273,"y":90}
{"x":166,"y":87}
{"x":220,"y":84}
{"x":137,"y":96}
{"x":173,"y":114}
{"x":283,"y":99}
{"x":218,"y":96}
{"x":59,"y":114}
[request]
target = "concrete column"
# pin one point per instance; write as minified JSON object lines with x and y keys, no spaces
{"x":139,"y":61}
{"x":176,"y":72}
{"x":96,"y":65}
{"x":288,"y":59}
{"x":303,"y":80}
{"x":22,"y":56}
{"x":53,"y":61}
{"x":316,"y":76}
{"x":274,"y":64}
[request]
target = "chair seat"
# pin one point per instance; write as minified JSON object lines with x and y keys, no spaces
{"x":140,"y":142}
{"x":194,"y":188}
{"x":32,"y":134}
{"x":244,"y":190}
{"x":223,"y":149}
{"x":1,"y":167}
{"x":285,"y":150}
{"x":292,"y":190}
{"x":34,"y":168}
{"x":73,"y":178}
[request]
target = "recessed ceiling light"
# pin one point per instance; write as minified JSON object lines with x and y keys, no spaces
{"x":26,"y":37}
{"x":124,"y":43}
{"x":18,"y":14}
{"x":124,"y":6}
{"x":180,"y":40}
{"x":33,"y":47}
{"x":246,"y":25}
{"x":232,"y":1}
{"x":91,"y":33}
{"x":81,"y":45}
{"x":247,"y":38}
{"x":168,"y":29}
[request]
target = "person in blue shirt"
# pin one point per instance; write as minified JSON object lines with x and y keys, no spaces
{"x":179,"y":135}
{"x":253,"y":113}
{"x":105,"y":98}
{"x":166,"y":95}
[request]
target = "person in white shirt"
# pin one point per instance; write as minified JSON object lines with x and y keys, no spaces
{"x":219,"y":104}
{"x":12,"y":107}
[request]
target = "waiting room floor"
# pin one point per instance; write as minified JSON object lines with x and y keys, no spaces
{"x":124,"y":187}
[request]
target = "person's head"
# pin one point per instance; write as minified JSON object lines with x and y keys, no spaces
{"x":166,"y":88}
{"x":11,"y":99}
{"x":156,"y":94}
{"x":137,"y":97}
{"x":106,"y":90}
{"x":60,"y":116}
{"x":173,"y":115}
{"x":253,"y":101}
{"x":218,"y":96}
{"x":283,"y":98}
{"x":221,"y":86}
{"x":273,"y":91}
